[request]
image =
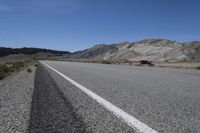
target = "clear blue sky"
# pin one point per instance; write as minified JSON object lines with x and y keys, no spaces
{"x":78,"y":24}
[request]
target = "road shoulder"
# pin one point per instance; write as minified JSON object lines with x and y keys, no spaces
{"x":15,"y":101}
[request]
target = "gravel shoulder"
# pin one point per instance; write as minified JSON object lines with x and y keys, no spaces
{"x":15,"y":101}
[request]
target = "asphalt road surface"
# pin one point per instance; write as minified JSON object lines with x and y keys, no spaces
{"x":164,"y":99}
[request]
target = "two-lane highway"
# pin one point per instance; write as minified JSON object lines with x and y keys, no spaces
{"x":164,"y":99}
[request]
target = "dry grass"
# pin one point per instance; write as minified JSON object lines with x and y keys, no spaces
{"x":10,"y":67}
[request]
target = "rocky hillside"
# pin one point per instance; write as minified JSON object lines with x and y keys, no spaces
{"x":149,"y":49}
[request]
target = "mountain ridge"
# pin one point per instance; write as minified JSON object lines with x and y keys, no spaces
{"x":160,"y":50}
{"x":147,"y":49}
{"x":5,"y":51}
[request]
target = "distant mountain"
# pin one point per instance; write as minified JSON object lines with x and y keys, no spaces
{"x":149,"y":49}
{"x":29,"y":51}
{"x":160,"y":50}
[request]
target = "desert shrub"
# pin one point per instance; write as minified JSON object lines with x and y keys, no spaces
{"x":18,"y":65}
{"x":130,"y":63}
{"x":107,"y":62}
{"x":27,"y":61}
{"x":29,"y":70}
{"x":198,"y":67}
{"x":4,"y":71}
{"x":9,"y":63}
{"x":10,"y":67}
{"x":129,"y":46}
{"x":4,"y":68}
{"x":2,"y":75}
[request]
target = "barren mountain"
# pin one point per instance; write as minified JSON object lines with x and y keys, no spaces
{"x":149,"y":49}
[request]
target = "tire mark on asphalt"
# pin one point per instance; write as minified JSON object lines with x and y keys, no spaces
{"x":51,"y":111}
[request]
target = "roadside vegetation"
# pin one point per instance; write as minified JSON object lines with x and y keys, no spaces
{"x":115,"y":62}
{"x":10,"y":67}
{"x":198,"y":67}
{"x":29,"y":70}
{"x":107,"y":62}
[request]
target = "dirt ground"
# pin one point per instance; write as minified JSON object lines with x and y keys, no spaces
{"x":191,"y":65}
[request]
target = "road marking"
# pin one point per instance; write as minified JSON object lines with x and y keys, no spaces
{"x":125,"y":117}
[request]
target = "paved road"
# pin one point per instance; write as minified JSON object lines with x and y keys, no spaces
{"x":165,"y":99}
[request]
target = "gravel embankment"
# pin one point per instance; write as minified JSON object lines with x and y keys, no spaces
{"x":15,"y":101}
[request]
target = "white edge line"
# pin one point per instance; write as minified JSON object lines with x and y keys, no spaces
{"x":125,"y":117}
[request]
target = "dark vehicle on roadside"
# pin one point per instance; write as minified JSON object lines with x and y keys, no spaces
{"x":146,"y":62}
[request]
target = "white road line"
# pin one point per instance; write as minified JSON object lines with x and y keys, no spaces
{"x":125,"y":117}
